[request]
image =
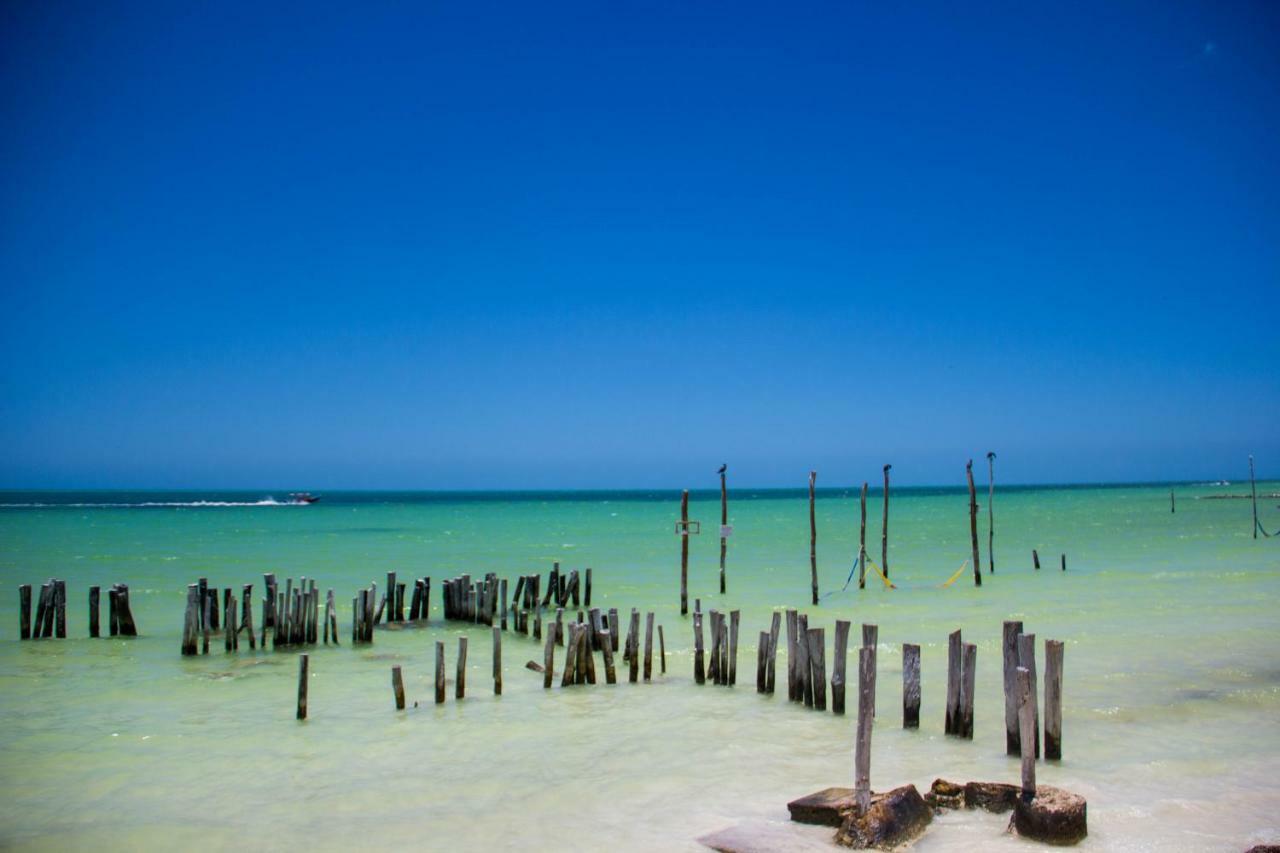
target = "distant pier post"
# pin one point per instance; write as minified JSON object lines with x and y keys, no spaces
{"x":684,"y":553}
{"x":991,"y":512}
{"x":724,"y":522}
{"x":813,"y":538}
{"x":973,"y":525}
{"x":884,"y":530}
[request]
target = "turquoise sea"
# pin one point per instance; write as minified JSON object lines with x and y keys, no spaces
{"x":1171,"y":690}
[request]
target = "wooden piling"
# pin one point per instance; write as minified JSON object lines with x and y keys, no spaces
{"x":973,"y":524}
{"x":94,"y":598}
{"x":42,"y":605}
{"x":793,"y":681}
{"x":802,"y":660}
{"x":648,"y":646}
{"x":762,"y":655}
{"x":813,"y":539}
{"x":773,"y":652}
{"x":397,"y":687}
{"x":991,"y":512}
{"x":1027,"y":661}
{"x":734,"y":617}
{"x":862,"y":540}
{"x":60,"y":593}
{"x":585,"y":653}
{"x":247,"y":616}
{"x":910,"y":686}
{"x":1172,"y":506}
{"x":884,"y":528}
{"x":1053,"y":700}
{"x":871,"y":640}
{"x":866,"y":714}
{"x":497,"y":661}
{"x":955,"y":665}
{"x":662,"y":652}
{"x":549,"y":656}
{"x":24,"y":611}
{"x":191,"y":620}
{"x":1027,"y":732}
{"x":684,"y":553}
{"x":969,"y":668}
{"x":570,"y":675}
{"x":840,"y":657}
{"x":606,"y":646}
{"x":439,"y":672}
{"x":1064,"y":562}
{"x":113,"y":612}
{"x":615,"y":628}
{"x":503,"y":618}
{"x":1009,"y":648}
{"x":1035,"y":559}
{"x":724,"y":522}
{"x":699,"y":671}
{"x":460,"y":685}
{"x":586,"y":597}
{"x":633,"y":640}
{"x":559,"y":626}
{"x":818,"y":667}
{"x":303,"y":664}
{"x":1253,"y":492}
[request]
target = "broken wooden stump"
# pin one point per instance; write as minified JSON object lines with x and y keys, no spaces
{"x":910,"y":686}
{"x":1053,"y":700}
{"x":823,"y":808}
{"x":1053,"y":816}
{"x":892,"y":819}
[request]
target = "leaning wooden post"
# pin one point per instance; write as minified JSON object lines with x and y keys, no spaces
{"x":973,"y":525}
{"x":497,"y":661}
{"x":910,"y":686}
{"x":1035,"y":558}
{"x":817,"y":647}
{"x":813,"y":539}
{"x":24,"y":611}
{"x":1253,"y":491}
{"x":1027,"y":730}
{"x":955,"y":666}
{"x":884,"y":530}
{"x":967,"y":683}
{"x":397,"y":687}
{"x":1009,"y":647}
{"x":841,"y":654}
{"x":1053,"y":700}
{"x":991,"y":512}
{"x":439,"y":672}
{"x":303,"y":663}
{"x":662,"y":652}
{"x":94,"y":597}
{"x":724,"y":522}
{"x":460,"y":685}
{"x":862,"y":541}
{"x":1027,"y":661}
{"x":684,"y":553}
{"x":866,"y":712}
{"x":549,"y":656}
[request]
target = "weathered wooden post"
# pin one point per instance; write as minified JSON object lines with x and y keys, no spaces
{"x":1009,"y":647}
{"x":802,"y":660}
{"x":549,"y":656}
{"x":1027,"y":732}
{"x":1064,"y":562}
{"x":460,"y":685}
{"x":813,"y":539}
{"x":818,"y":667}
{"x":910,"y":686}
{"x":862,"y":540}
{"x":191,"y":620}
{"x":397,"y":687}
{"x":648,"y":646}
{"x":1253,"y":491}
{"x":866,"y":713}
{"x":1172,"y":506}
{"x":303,"y":663}
{"x":973,"y":525}
{"x":1027,"y":661}
{"x":60,"y":590}
{"x":1053,"y":700}
{"x":684,"y":553}
{"x":662,"y":652}
{"x":439,"y":672}
{"x":762,"y":668}
{"x":497,"y":661}
{"x":724,"y":522}
{"x":1035,"y":558}
{"x":773,"y":652}
{"x":606,"y":648}
{"x":633,"y":640}
{"x":733,"y":646}
{"x":955,"y":666}
{"x":967,"y":683}
{"x":871,"y":640}
{"x":884,"y":530}
{"x":793,"y":680}
{"x":991,"y":512}
{"x":699,"y":672}
{"x":94,"y":597}
{"x":586,"y":602}
{"x":24,"y":611}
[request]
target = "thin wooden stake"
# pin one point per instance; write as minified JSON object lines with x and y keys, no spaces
{"x":884,"y":529}
{"x":303,"y":663}
{"x":684,"y":553}
{"x":862,"y":541}
{"x":662,"y":652}
{"x":838,"y":663}
{"x":1053,"y":700}
{"x":866,"y":715}
{"x":724,"y":521}
{"x":460,"y":685}
{"x":955,"y":671}
{"x":397,"y":687}
{"x":1253,"y":491}
{"x":24,"y":611}
{"x":1035,"y":558}
{"x":1027,"y":661}
{"x":633,"y":640}
{"x":733,"y":646}
{"x":802,"y":660}
{"x":973,"y":525}
{"x":1027,"y":729}
{"x":439,"y":672}
{"x":991,"y":512}
{"x":648,"y":646}
{"x":818,"y":667}
{"x":549,"y":656}
{"x":773,"y":651}
{"x":813,"y":539}
{"x":699,"y":672}
{"x":1009,"y":648}
{"x":497,"y":661}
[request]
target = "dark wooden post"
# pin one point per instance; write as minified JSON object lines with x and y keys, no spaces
{"x":684,"y":553}
{"x":991,"y":512}
{"x":1035,"y":558}
{"x":94,"y":599}
{"x":1053,"y":700}
{"x":699,"y":672}
{"x":910,"y":686}
{"x":303,"y":661}
{"x":773,"y":652}
{"x":397,"y":687}
{"x":24,"y":611}
{"x":884,"y":530}
{"x":1064,"y":562}
{"x":1027,"y":730}
{"x":60,"y":589}
{"x":838,"y":663}
{"x":973,"y":525}
{"x":1172,"y":507}
{"x":1009,"y":645}
{"x":439,"y":672}
{"x":460,"y":684}
{"x":866,"y":713}
{"x":813,"y":539}
{"x":967,"y":684}
{"x":497,"y":661}
{"x":955,"y":670}
{"x":724,"y":520}
{"x":862,"y":542}
{"x":1253,"y":491}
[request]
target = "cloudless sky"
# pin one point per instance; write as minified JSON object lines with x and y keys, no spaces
{"x":428,"y":245}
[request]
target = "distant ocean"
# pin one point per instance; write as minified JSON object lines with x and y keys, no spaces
{"x":1171,"y":691}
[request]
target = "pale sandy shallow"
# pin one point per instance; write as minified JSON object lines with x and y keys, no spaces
{"x":1171,"y":698}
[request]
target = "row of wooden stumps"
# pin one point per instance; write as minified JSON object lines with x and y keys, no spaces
{"x":1019,"y":653}
{"x":598,"y":632}
{"x":51,"y":611}
{"x":723,"y":665}
{"x":293,"y":616}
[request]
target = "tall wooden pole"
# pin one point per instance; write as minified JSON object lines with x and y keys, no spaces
{"x":813,"y":539}
{"x":973,"y":525}
{"x":991,"y":512}
{"x":884,"y":530}
{"x":1253,"y":489}
{"x":862,"y":542}
{"x":724,"y":520}
{"x":684,"y":553}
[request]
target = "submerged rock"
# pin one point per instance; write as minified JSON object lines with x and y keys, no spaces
{"x":1055,"y":816}
{"x":894,"y":818}
{"x":945,"y":795}
{"x":825,"y":808}
{"x":995,"y":797}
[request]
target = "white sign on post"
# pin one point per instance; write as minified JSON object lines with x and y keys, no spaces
{"x":726,"y":530}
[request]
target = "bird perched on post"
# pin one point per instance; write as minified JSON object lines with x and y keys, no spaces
{"x":724,"y":467}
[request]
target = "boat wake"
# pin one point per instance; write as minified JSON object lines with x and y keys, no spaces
{"x":149,"y":504}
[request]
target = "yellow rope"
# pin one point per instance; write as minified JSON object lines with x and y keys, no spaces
{"x":881,"y":574}
{"x":952,"y":579}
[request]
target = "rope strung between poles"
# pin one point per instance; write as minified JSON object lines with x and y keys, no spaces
{"x":873,"y":565}
{"x":952,"y":579}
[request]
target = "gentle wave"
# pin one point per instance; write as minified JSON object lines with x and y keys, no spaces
{"x":264,"y":502}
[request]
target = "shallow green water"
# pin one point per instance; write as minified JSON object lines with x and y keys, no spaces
{"x":1172,"y":687}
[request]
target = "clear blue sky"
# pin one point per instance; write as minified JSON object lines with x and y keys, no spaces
{"x":615,"y":244}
